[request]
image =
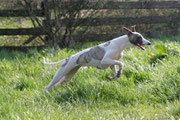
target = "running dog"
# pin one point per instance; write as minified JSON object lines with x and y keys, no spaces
{"x":102,"y":56}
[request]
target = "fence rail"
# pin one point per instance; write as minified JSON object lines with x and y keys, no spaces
{"x":23,"y":31}
{"x":133,"y":20}
{"x":128,"y":20}
{"x":128,"y":5}
{"x":21,"y":13}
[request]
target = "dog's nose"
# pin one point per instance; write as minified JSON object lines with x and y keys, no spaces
{"x":149,"y":43}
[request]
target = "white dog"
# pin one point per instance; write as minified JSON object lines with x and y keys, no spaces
{"x":102,"y":56}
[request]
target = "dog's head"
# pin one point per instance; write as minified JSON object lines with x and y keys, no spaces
{"x":136,"y":38}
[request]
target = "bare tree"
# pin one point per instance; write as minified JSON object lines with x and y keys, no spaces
{"x":63,"y":18}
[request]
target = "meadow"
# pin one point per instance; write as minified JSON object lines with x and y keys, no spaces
{"x":148,"y":89}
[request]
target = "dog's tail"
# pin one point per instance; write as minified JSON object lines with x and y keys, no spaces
{"x":55,"y":63}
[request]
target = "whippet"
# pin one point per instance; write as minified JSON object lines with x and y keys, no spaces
{"x":102,"y":56}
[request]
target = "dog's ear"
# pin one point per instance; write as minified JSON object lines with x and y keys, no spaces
{"x":133,"y":28}
{"x":126,"y":31}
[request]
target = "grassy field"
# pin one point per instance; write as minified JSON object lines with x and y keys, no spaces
{"x":149,"y":87}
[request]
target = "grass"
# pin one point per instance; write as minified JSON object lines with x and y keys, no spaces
{"x":149,"y":87}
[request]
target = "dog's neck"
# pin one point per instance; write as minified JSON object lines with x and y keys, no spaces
{"x":122,"y":42}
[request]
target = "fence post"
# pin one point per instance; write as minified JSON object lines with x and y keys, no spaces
{"x":47,"y":24}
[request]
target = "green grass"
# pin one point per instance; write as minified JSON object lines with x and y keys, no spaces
{"x":149,"y":87}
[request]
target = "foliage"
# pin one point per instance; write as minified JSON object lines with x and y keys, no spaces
{"x":144,"y":91}
{"x":163,"y":51}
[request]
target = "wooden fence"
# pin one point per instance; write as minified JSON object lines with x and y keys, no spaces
{"x":172,"y":18}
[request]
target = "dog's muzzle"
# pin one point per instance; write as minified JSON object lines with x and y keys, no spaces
{"x":144,"y":42}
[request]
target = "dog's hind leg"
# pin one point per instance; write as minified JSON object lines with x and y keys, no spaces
{"x":68,"y":76}
{"x":64,"y":74}
{"x":59,"y":75}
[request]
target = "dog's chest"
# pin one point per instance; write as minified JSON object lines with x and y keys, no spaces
{"x":117,"y":56}
{"x":113,"y":49}
{"x":114,"y":54}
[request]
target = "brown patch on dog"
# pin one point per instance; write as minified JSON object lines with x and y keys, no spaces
{"x":84,"y":58}
{"x":65,"y":63}
{"x":107,"y":44}
{"x":95,"y":52}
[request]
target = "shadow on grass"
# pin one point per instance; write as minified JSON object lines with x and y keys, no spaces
{"x":93,"y":94}
{"x":14,"y":54}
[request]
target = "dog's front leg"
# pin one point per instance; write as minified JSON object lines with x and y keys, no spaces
{"x":113,"y":62}
{"x":113,"y":68}
{"x":120,"y":69}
